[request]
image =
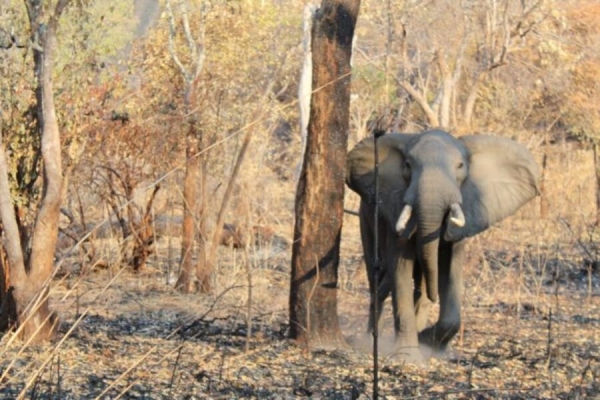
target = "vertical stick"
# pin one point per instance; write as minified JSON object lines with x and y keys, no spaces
{"x":376,"y":134}
{"x":549,"y":343}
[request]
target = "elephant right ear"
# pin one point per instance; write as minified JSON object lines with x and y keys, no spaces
{"x":360,"y":172}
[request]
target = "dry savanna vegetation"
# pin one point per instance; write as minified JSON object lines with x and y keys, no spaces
{"x":149,"y":159}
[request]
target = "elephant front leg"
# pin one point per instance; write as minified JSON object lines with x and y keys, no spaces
{"x":405,"y":326}
{"x":422,"y":302}
{"x":367,"y":238}
{"x":450,"y":288}
{"x":383,"y":293}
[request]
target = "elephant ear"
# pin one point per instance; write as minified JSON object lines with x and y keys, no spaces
{"x":502,"y":177}
{"x":360,"y":172}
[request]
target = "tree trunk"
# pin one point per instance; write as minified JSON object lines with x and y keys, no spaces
{"x":544,"y":198}
{"x":30,"y":273}
{"x":597,"y":171}
{"x":211,"y":258}
{"x":204,"y":270}
{"x":469,"y":107}
{"x":432,"y":116}
{"x":192,"y":276}
{"x":186,"y":283}
{"x":320,"y":194}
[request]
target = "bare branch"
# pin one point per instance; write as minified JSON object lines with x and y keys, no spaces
{"x":172,"y":32}
{"x":187,"y":30}
{"x":422,"y":101}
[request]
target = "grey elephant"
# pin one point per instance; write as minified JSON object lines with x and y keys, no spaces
{"x":435,"y":190}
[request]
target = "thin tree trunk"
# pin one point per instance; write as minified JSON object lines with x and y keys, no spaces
{"x":597,"y":171}
{"x":430,"y":113}
{"x":320,"y":194}
{"x":186,"y":282}
{"x":204,"y":270}
{"x":11,"y":255}
{"x":470,"y":102}
{"x":218,"y":231}
{"x":446,"y":90}
{"x":191,"y":276}
{"x":544,"y":198}
{"x":30,"y":275}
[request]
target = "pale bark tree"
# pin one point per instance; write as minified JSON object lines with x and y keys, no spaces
{"x":29,"y":261}
{"x":196,"y":275}
{"x":439,"y":69}
{"x":305,"y":84}
{"x":320,"y":194}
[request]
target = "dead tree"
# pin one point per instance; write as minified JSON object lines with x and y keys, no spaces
{"x":320,"y":194}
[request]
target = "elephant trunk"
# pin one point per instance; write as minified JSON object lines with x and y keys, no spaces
{"x":434,"y":204}
{"x":429,"y":225}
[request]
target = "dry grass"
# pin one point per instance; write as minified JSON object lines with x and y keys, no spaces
{"x":531,"y":318}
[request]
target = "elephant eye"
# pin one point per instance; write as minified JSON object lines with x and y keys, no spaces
{"x":461,"y":165}
{"x":407,"y":164}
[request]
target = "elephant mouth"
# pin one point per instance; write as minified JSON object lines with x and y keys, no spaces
{"x":456,"y":219}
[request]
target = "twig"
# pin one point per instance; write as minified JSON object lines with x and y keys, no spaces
{"x":549,"y":341}
{"x":175,"y":368}
{"x":249,"y":301}
{"x":470,"y":376}
{"x":583,"y":373}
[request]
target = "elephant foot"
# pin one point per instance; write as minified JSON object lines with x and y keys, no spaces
{"x":436,"y":338}
{"x":408,"y":354}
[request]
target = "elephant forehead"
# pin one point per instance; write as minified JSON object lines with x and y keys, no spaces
{"x":438,"y":149}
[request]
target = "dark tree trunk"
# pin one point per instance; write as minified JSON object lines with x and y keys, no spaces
{"x":320,"y":193}
{"x":543,"y":198}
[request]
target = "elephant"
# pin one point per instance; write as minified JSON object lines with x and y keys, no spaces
{"x":435,"y":191}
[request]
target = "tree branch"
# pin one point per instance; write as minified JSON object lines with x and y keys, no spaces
{"x":9,"y":220}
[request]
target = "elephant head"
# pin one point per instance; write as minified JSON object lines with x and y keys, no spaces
{"x":439,"y":187}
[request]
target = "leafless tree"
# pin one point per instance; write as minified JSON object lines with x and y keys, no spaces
{"x":29,"y":260}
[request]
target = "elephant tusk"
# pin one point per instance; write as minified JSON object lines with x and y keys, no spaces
{"x":403,"y":219}
{"x":457,"y":217}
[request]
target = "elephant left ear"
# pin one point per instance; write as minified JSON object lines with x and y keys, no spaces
{"x":502,"y":177}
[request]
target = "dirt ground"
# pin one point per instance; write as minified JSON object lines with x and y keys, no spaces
{"x":531,"y":331}
{"x":531,"y":320}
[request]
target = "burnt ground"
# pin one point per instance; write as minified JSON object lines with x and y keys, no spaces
{"x":531,"y":331}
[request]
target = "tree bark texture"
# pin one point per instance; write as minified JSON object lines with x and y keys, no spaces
{"x":30,"y":272}
{"x":597,"y":173}
{"x":320,"y":193}
{"x":186,"y":282}
{"x":196,"y":275}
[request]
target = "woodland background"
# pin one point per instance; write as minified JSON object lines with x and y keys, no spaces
{"x":132,"y":96}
